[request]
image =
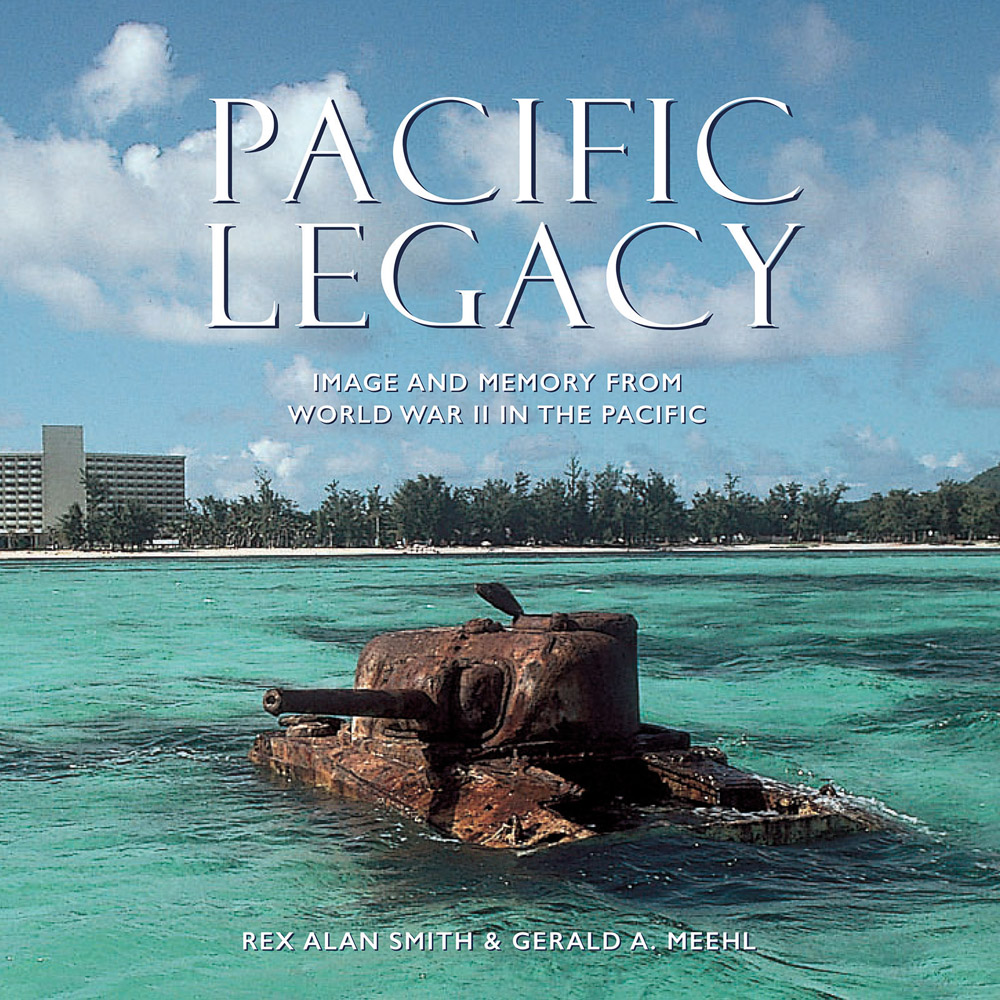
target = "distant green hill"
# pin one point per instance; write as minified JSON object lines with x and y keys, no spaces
{"x":987,"y":480}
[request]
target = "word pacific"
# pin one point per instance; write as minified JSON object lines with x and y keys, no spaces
{"x":543,"y":245}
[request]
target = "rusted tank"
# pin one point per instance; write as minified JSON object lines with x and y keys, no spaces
{"x":528,"y":735}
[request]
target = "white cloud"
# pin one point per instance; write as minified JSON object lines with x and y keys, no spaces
{"x":134,"y":73}
{"x":286,"y":461}
{"x":953,"y":463}
{"x":853,"y":281}
{"x":484,"y":152}
{"x":215,"y":473}
{"x":118,"y":242}
{"x":231,"y":475}
{"x":291,"y":384}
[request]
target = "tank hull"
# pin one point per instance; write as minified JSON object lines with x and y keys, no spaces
{"x":528,"y":735}
{"x":552,"y":794}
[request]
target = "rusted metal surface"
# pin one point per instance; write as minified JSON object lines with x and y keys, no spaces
{"x":550,"y":678}
{"x":500,"y":597}
{"x":494,"y":803}
{"x":526,"y":736}
{"x":385,"y":704}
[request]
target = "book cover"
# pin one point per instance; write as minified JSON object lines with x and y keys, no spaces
{"x":482,"y":290}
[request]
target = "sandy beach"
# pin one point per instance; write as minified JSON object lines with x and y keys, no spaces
{"x":773,"y":548}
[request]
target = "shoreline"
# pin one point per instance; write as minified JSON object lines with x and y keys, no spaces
{"x":507,"y":551}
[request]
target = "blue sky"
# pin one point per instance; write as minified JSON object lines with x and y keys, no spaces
{"x":883,"y":369}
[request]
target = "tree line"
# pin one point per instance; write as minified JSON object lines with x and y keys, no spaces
{"x":608,"y":507}
{"x":106,"y":524}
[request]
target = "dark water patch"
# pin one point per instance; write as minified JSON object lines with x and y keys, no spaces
{"x":660,"y":655}
{"x":91,"y":566}
{"x":733,"y":739}
{"x":942,"y":653}
{"x":412,"y":872}
{"x":656,"y":647}
{"x":946,"y":654}
{"x":56,"y":751}
{"x":672,"y":658}
{"x":353,"y":638}
{"x":674,"y":661}
{"x":19,"y":761}
{"x":222,"y":682}
{"x":886,"y":871}
{"x":967,"y":718}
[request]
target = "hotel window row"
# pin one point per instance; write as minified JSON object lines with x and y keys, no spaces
{"x":39,"y":488}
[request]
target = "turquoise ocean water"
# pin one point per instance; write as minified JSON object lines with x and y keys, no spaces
{"x":139,"y":845}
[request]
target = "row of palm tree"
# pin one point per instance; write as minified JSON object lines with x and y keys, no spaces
{"x":580,"y":507}
{"x":611,"y":506}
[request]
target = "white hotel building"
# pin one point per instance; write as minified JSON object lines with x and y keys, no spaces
{"x":38,"y":488}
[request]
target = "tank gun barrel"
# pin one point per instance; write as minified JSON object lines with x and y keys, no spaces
{"x":388,"y":703}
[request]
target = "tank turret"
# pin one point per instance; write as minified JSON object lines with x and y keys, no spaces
{"x":515,"y":735}
{"x":567,"y":678}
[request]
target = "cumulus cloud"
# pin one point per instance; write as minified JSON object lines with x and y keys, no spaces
{"x":285,"y":460}
{"x":853,"y":281}
{"x":292,"y":382}
{"x":215,"y":473}
{"x":134,"y":73}
{"x":117,"y":241}
{"x":234,"y":474}
{"x":956,"y":463}
{"x":484,"y":152}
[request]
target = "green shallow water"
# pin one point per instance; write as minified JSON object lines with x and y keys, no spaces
{"x":139,"y":845}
